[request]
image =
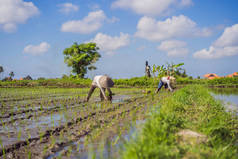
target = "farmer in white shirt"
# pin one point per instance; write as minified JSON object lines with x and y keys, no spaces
{"x":103,"y":82}
{"x":166,"y":81}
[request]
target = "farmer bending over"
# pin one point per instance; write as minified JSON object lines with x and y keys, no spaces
{"x":103,"y":82}
{"x":166,"y":81}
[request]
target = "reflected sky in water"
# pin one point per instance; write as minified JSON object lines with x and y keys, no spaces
{"x":228,"y":96}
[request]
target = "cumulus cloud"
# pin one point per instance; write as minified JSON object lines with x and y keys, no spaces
{"x":175,"y":27}
{"x":37,"y":49}
{"x":141,"y":48}
{"x":14,"y":12}
{"x":110,"y":44}
{"x":229,"y":37}
{"x":113,"y":20}
{"x":150,"y":7}
{"x":66,"y":8}
{"x":185,"y":3}
{"x":225,"y":45}
{"x":94,"y":6}
{"x":87,"y":25}
{"x":174,"y":48}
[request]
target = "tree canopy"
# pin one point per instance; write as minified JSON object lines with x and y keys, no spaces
{"x":168,"y":69}
{"x":81,"y":57}
{"x":11,"y":74}
{"x":1,"y":69}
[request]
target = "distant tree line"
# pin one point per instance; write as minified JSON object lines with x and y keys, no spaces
{"x":11,"y":75}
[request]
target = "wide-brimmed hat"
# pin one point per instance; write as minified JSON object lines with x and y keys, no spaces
{"x":106,"y":82}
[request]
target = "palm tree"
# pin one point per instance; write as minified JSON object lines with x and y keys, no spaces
{"x":11,"y":74}
{"x":1,"y":70}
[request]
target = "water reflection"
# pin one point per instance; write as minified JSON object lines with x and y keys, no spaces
{"x":109,"y":146}
{"x":229,"y":96}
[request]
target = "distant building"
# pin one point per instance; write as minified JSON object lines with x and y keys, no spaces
{"x":211,"y":76}
{"x":235,"y":74}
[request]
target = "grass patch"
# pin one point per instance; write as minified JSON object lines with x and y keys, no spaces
{"x":190,"y":108}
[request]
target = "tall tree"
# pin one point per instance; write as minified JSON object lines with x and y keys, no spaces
{"x":11,"y":74}
{"x":168,"y":69}
{"x":81,"y":57}
{"x":1,"y":70}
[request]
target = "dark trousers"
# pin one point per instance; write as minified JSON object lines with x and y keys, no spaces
{"x":110,"y":94}
{"x":101,"y":94}
{"x":160,"y":85}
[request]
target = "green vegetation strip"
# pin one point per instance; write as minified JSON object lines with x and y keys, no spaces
{"x":189,"y":124}
{"x":136,"y":81}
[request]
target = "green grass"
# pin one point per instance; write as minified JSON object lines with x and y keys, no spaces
{"x":190,"y":108}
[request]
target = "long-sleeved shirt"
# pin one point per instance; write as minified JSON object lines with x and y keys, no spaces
{"x":167,"y":80}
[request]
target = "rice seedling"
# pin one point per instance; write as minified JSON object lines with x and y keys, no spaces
{"x":71,"y":119}
{"x":19,"y":134}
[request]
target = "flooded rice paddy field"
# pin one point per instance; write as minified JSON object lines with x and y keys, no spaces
{"x":58,"y":123}
{"x":228,"y":96}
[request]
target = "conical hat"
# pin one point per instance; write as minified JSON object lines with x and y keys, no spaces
{"x":106,"y":82}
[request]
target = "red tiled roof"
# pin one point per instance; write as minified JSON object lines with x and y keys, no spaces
{"x":235,"y":74}
{"x":211,"y":76}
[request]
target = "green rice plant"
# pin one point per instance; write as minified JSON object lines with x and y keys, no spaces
{"x":3,"y":124}
{"x":69,"y":151}
{"x":92,"y":153}
{"x":190,"y":108}
{"x":45,"y":150}
{"x":41,"y":134}
{"x":28,"y":150}
{"x":19,"y":134}
{"x":52,"y":141}
{"x":61,"y":136}
{"x":3,"y":149}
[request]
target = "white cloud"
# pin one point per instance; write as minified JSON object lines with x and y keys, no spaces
{"x":37,"y":49}
{"x":87,"y":25}
{"x":94,"y":6}
{"x":141,"y":48}
{"x":174,"y":48}
{"x":225,"y":45}
{"x":185,"y":3}
{"x":177,"y":26}
{"x":229,"y":37}
{"x":113,"y":20}
{"x":216,"y":52}
{"x":110,"y":44}
{"x":13,"y":12}
{"x":66,"y":8}
{"x":150,"y":7}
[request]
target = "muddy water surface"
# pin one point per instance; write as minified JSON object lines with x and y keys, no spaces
{"x":229,"y":96}
{"x":21,"y":130}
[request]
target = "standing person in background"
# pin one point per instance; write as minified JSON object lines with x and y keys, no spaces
{"x":103,"y":82}
{"x":166,"y":81}
{"x":147,"y":69}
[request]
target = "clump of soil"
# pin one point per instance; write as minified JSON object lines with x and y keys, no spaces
{"x":191,"y":137}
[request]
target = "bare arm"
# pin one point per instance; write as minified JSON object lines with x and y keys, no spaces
{"x":90,"y":92}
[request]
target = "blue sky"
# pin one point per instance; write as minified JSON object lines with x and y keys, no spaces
{"x":201,"y":33}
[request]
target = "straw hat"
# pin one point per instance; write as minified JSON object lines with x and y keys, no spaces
{"x":172,"y":81}
{"x":106,"y":82}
